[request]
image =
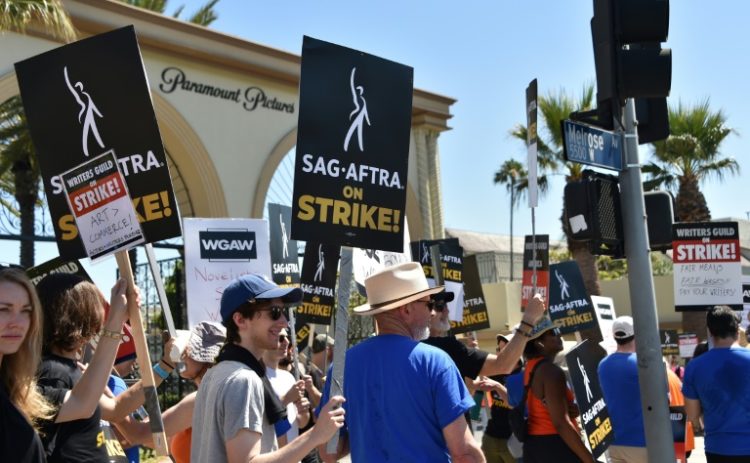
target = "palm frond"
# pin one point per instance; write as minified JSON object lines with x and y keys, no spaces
{"x":17,"y":15}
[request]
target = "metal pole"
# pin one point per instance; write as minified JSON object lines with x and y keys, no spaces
{"x":341,"y":336}
{"x":652,"y":375}
{"x":512,"y":187}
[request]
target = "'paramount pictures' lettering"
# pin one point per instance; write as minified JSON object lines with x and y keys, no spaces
{"x":352,"y":148}
{"x":251,"y":98}
{"x":87,"y":98}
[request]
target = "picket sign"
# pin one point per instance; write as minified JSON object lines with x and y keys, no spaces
{"x":141,"y":351}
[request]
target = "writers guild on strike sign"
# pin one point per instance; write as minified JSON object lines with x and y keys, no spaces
{"x":102,"y":208}
{"x":707,"y":265}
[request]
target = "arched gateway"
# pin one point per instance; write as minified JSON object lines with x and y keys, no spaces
{"x":227,"y":111}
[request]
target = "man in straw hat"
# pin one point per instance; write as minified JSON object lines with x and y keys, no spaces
{"x":405,"y":399}
{"x":236,"y":409}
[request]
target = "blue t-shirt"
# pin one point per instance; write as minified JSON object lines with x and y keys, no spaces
{"x":118,"y":386}
{"x":400,"y":394}
{"x":720,"y":380}
{"x":618,"y":377}
{"x":514,"y":385}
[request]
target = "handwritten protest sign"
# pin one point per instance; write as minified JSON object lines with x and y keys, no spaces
{"x":218,"y":251}
{"x":707,"y":267}
{"x":104,"y":214}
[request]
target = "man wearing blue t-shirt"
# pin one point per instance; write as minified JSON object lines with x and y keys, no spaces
{"x":717,"y":385}
{"x":405,"y":399}
{"x":618,"y":377}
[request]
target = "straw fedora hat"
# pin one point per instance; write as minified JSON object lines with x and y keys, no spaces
{"x":395,"y":286}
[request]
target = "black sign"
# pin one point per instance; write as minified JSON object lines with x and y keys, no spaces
{"x":319,"y":270}
{"x":678,"y":419}
{"x":284,"y":258}
{"x":228,"y":245}
{"x":538,"y":260}
{"x":352,"y":148}
{"x":303,"y":336}
{"x":476,"y":316}
{"x":669,"y":342}
{"x":570,"y":307}
{"x":87,"y":98}
{"x":57,"y":265}
{"x":583,"y":362}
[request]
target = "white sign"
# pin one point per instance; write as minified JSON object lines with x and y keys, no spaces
{"x":687,"y":342}
{"x":604,"y":307}
{"x":217,"y":251}
{"x":745,"y":321}
{"x":365,"y":262}
{"x":98,"y":198}
{"x":707,"y":267}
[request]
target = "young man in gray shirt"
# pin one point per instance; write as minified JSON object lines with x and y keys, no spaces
{"x":236,"y":411}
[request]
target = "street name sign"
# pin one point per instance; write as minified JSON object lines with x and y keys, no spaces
{"x":590,"y":145}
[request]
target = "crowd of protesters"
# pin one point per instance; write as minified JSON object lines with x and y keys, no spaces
{"x":406,"y":390}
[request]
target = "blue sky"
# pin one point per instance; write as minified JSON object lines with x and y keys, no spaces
{"x":484,"y":53}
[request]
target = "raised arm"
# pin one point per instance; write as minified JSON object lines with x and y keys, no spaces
{"x":506,"y":360}
{"x":81,"y":401}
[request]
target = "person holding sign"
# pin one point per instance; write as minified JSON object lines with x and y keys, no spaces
{"x":74,"y":313}
{"x":405,"y":399}
{"x":552,"y":432}
{"x":236,"y":407}
{"x":21,"y":404}
{"x":472,"y":362}
{"x":717,"y":386}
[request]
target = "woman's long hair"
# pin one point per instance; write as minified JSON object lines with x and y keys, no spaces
{"x":18,"y":371}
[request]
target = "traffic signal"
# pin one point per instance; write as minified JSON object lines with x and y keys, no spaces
{"x":630,"y":62}
{"x":659,"y":218}
{"x":592,"y":213}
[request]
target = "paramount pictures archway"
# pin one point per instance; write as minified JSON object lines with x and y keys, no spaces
{"x":227,"y":112}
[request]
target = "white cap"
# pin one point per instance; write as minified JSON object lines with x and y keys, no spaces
{"x":623,"y":327}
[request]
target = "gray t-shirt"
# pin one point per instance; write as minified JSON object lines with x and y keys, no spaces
{"x":230,"y":398}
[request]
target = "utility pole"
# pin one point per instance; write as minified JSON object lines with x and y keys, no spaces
{"x":652,"y":374}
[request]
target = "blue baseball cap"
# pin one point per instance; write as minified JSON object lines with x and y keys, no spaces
{"x":252,"y":286}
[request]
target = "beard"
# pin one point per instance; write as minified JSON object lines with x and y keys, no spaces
{"x":420,"y":334}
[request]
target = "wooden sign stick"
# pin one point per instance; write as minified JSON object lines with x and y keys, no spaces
{"x":141,"y":351}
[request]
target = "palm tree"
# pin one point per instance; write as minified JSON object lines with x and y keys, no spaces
{"x":16,"y":15}
{"x":555,"y":107}
{"x":688,"y":157}
{"x":204,"y":16}
{"x":19,"y":169}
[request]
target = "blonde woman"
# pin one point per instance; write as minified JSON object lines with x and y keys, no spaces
{"x":21,"y":404}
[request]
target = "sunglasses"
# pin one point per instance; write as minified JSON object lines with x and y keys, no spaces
{"x":283,"y":337}
{"x":276,"y":311}
{"x":437,"y":306}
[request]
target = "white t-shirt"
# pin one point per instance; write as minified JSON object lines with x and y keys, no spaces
{"x":281,"y":382}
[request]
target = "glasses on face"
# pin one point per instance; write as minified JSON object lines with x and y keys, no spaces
{"x":437,"y":306}
{"x":276,"y":311}
{"x":283,"y":337}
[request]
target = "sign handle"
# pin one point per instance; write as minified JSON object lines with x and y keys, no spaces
{"x":293,"y":340}
{"x":159,"y":282}
{"x":141,"y":349}
{"x":341,"y":334}
{"x":437,"y":267}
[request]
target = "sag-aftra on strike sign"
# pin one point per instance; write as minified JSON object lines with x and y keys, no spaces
{"x":352,"y":148}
